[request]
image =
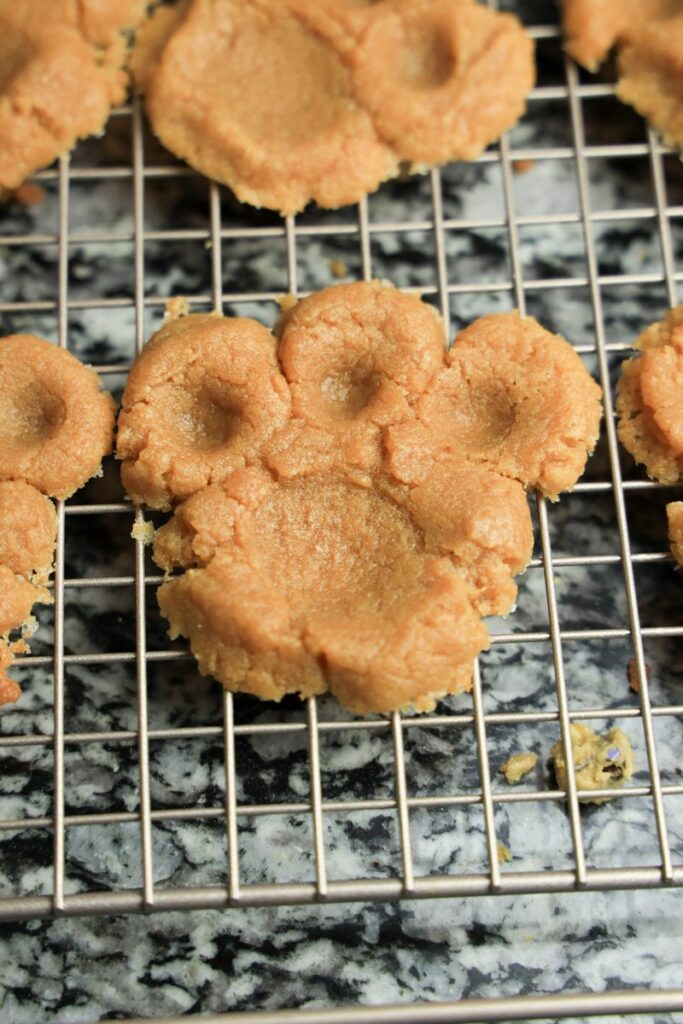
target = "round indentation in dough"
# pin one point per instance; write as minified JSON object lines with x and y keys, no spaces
{"x":251,"y":95}
{"x":56,"y":423}
{"x":17,"y":597}
{"x":517,"y":398}
{"x":316,"y":560}
{"x":201,"y":399}
{"x":442,"y":78}
{"x":28,"y":527}
{"x":357,"y":357}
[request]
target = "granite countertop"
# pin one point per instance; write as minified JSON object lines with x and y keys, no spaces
{"x":71,"y":970}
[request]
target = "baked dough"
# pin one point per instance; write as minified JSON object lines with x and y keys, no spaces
{"x":61,"y":71}
{"x":201,"y":399}
{"x":517,"y":766}
{"x":674,"y":512}
{"x":28,"y":526}
{"x":593,"y":27}
{"x":650,"y":399}
{"x":649,"y":34}
{"x":351,"y":549}
{"x":600,"y":762}
{"x":288,"y":101}
{"x":56,"y":424}
{"x":515,"y":398}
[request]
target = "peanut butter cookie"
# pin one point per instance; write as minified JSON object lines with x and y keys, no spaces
{"x":649,"y":35}
{"x":61,"y":71}
{"x":674,"y":512}
{"x":288,"y":101}
{"x":354,"y":547}
{"x":650,"y":399}
{"x":56,"y":424}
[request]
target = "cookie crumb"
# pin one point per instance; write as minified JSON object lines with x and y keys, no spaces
{"x":504,"y":853}
{"x":143,"y":530}
{"x":177,"y":306}
{"x":523,"y":166}
{"x":338,"y":268}
{"x":286,"y":302}
{"x":518,"y":766}
{"x":633,"y":681}
{"x":600,"y":762}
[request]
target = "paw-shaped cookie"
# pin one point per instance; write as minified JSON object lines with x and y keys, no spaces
{"x":56,"y":424}
{"x":61,"y":71}
{"x":650,"y":409}
{"x":649,"y":36}
{"x":288,"y":101}
{"x":353,"y":539}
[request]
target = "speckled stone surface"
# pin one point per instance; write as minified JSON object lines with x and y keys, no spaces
{"x":91,"y":969}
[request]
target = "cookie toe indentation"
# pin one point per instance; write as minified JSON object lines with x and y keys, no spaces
{"x":517,"y":398}
{"x":201,"y":399}
{"x":265,"y":105}
{"x":356,"y":357}
{"x":442,"y":78}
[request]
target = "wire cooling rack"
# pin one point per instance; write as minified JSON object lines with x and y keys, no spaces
{"x":233,"y":801}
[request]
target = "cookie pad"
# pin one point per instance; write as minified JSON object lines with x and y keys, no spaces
{"x":352,"y":547}
{"x":288,"y":101}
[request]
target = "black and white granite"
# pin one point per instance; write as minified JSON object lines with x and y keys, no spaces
{"x":83,"y":970}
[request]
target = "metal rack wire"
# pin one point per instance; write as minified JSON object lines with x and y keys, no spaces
{"x":408,"y":882}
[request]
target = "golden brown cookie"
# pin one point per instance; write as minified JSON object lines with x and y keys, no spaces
{"x":327,"y":583}
{"x":442,"y":79}
{"x":599,"y":761}
{"x":202,"y":398}
{"x":649,"y":34}
{"x":288,"y":101}
{"x":514,"y":397}
{"x":356,"y":548}
{"x":61,"y":71}
{"x":593,"y":27}
{"x":56,"y":423}
{"x":28,"y":527}
{"x":294,"y":133}
{"x":674,"y":512}
{"x":17,"y":597}
{"x":356,"y":359}
{"x":650,"y":399}
{"x":651,"y":75}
